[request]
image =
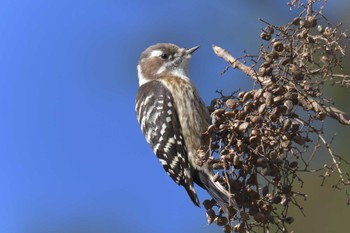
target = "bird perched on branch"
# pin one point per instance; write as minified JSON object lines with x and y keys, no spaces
{"x":173,"y":117}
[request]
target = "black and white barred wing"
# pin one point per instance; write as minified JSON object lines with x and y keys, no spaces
{"x":160,"y":124}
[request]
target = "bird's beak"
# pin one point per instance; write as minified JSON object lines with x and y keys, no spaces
{"x":191,"y":50}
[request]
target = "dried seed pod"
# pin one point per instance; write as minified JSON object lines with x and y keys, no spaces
{"x":277,"y":99}
{"x":299,"y":139}
{"x":284,"y":61}
{"x":312,"y":20}
{"x":286,"y":189}
{"x":296,"y":21}
{"x":289,"y":220}
{"x":257,"y":94}
{"x":255,"y":132}
{"x":208,"y":204}
{"x":278,"y":46}
{"x":268,"y":98}
{"x":241,"y":94}
{"x":320,"y":29}
{"x":295,"y":127}
{"x":220,"y":221}
{"x":230,"y":103}
{"x":247,"y":96}
{"x":265,"y":190}
{"x":267,"y":208}
{"x":310,"y":39}
{"x":265,"y":36}
{"x":227,"y":229}
{"x":298,"y":75}
{"x":262,"y":108}
{"x":210,"y":216}
{"x":256,"y":119}
{"x":269,"y":30}
{"x":321,"y":115}
{"x":243,"y":127}
{"x":293,"y":164}
{"x":277,"y":199}
{"x":262,"y":71}
{"x":252,"y":194}
{"x":286,"y":143}
{"x":279,"y":90}
{"x":324,"y":59}
{"x":287,"y":124}
{"x":260,"y":217}
{"x":289,"y":105}
{"x":266,"y":64}
{"x":253,"y":140}
{"x":327,"y":31}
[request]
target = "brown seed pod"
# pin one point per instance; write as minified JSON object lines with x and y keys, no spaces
{"x":321,"y":115}
{"x":312,"y":20}
{"x":230,"y":103}
{"x":293,"y":164}
{"x":284,"y":61}
{"x":289,"y":105}
{"x":268,"y":98}
{"x":255,"y":132}
{"x":220,"y":221}
{"x":320,"y":29}
{"x":299,"y":139}
{"x":286,"y":143}
{"x":266,"y":208}
{"x":227,"y":229}
{"x":253,"y":140}
{"x":243,"y":127}
{"x":210,"y":215}
{"x":265,"y":36}
{"x":287,"y":124}
{"x":278,"y":46}
{"x":257,"y":94}
{"x":256,"y":119}
{"x":295,"y":126}
{"x":262,"y":162}
{"x":289,"y":220}
{"x":247,"y":96}
{"x":260,"y":217}
{"x":310,"y":39}
{"x":296,"y":21}
{"x":208,"y":204}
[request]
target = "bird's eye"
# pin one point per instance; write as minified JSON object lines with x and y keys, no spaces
{"x":164,"y":56}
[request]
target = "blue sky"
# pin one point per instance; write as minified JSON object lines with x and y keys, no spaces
{"x":72,"y":156}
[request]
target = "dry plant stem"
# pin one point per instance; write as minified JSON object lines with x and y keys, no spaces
{"x":330,"y":111}
{"x":335,"y":162}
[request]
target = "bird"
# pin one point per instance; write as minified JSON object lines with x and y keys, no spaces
{"x":173,"y":116}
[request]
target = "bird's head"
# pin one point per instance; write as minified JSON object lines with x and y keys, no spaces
{"x":162,"y":60}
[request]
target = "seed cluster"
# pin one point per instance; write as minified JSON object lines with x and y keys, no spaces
{"x":259,"y":138}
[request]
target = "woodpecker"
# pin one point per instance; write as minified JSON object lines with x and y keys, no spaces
{"x":173,"y":117}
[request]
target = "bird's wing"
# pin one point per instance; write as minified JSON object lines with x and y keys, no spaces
{"x":157,"y":115}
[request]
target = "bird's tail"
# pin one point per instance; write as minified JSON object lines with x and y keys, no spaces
{"x":222,"y":197}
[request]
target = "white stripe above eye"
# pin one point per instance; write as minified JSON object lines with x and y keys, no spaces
{"x":156,"y":53}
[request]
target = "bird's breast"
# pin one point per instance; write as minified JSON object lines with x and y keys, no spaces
{"x":192,"y":112}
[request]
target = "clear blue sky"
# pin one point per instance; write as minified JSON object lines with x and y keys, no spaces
{"x":72,"y":156}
